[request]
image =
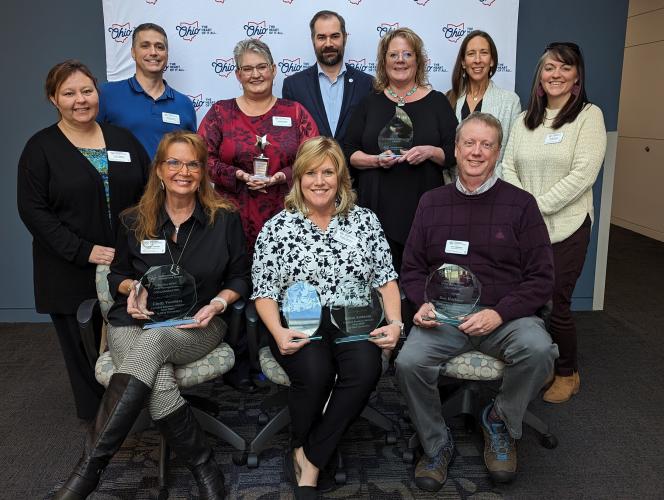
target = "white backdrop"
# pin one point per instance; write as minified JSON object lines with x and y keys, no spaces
{"x":202,"y":34}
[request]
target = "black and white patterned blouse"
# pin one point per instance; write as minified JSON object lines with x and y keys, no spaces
{"x":291,"y":248}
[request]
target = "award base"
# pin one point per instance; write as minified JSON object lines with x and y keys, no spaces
{"x":354,"y":338}
{"x":170,"y":322}
{"x":312,"y":338}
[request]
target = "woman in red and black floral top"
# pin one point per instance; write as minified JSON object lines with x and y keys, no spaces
{"x":233,"y":128}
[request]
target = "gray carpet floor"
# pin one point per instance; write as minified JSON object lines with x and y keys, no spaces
{"x":610,"y":435}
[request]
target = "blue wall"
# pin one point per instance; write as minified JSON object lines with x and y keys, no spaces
{"x":38,"y":33}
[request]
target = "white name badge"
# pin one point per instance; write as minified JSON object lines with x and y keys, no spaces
{"x":345,"y":239}
{"x":456,"y":247}
{"x":554,"y":138}
{"x":282,"y":121}
{"x":122,"y":156}
{"x":173,"y":118}
{"x":153,"y":246}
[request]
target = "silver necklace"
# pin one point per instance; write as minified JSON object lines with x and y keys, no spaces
{"x":175,"y":266}
{"x":401,"y":101}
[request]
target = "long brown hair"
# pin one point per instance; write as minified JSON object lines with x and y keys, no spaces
{"x":150,"y":205}
{"x":459,"y":76}
{"x":567,"y":53}
{"x":381,"y":82}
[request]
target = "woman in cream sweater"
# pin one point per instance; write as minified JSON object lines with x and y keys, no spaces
{"x":555,"y":152}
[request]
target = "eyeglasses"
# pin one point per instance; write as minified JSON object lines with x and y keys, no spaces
{"x":407,"y":55}
{"x":569,"y":45}
{"x":470,"y":144}
{"x":175,"y":165}
{"x":249,"y":70}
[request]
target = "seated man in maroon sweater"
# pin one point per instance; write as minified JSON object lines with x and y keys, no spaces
{"x":496,"y":231}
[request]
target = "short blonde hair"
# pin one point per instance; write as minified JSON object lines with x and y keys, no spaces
{"x":381,"y":82}
{"x":312,"y":153}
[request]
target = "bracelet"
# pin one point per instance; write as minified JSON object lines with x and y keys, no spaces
{"x":221,"y":300}
{"x":131,"y":287}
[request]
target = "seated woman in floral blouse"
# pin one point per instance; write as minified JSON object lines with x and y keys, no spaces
{"x":324,"y":239}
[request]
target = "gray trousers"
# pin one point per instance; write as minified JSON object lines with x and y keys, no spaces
{"x":522,"y":344}
{"x":149,"y":355}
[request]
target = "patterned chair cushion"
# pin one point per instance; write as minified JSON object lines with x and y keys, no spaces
{"x":473,"y":365}
{"x":213,"y":365}
{"x":271,"y":369}
{"x":103,"y":294}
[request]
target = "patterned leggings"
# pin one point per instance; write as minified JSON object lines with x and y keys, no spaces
{"x":149,"y":355}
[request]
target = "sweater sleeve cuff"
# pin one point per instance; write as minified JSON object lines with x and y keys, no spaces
{"x":83,"y":254}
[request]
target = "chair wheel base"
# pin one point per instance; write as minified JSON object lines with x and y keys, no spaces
{"x":263,"y":419}
{"x":549,"y":441}
{"x":390,"y":438}
{"x":163,"y":494}
{"x":408,"y":456}
{"x":252,"y":460}
{"x":340,"y":477}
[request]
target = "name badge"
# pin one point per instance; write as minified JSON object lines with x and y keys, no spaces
{"x":122,"y":156}
{"x":173,"y":118}
{"x":282,"y":121}
{"x":456,"y":247}
{"x":153,"y":246}
{"x":554,"y":138}
{"x":345,"y":239}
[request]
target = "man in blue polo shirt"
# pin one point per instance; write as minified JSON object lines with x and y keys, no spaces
{"x":144,"y":103}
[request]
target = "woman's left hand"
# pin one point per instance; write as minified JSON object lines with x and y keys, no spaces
{"x":204,"y":315}
{"x":386,"y":337}
{"x":417,"y":154}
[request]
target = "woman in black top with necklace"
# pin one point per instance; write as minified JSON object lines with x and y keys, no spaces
{"x":181,"y":223}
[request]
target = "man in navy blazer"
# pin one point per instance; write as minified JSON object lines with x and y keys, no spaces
{"x":330,"y":89}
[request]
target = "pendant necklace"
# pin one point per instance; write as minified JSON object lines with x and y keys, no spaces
{"x":401,"y":101}
{"x":175,"y":266}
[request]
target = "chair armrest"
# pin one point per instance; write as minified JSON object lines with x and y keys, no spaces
{"x":234,"y":318}
{"x":253,"y":335}
{"x":86,"y":313}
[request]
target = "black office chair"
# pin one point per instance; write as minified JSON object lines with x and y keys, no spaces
{"x":91,"y":316}
{"x":263,"y":360}
{"x":478,"y":374}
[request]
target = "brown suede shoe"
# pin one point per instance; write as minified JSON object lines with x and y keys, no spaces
{"x":499,"y":449}
{"x":431,"y":472}
{"x":563,"y":388}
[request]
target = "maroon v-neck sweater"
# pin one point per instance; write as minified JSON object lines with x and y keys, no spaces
{"x":509,"y":249}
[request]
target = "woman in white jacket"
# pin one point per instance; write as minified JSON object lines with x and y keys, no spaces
{"x":473,"y":90}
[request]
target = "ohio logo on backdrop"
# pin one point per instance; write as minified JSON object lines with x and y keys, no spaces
{"x":424,"y":2}
{"x":488,"y":3}
{"x":289,"y":66}
{"x":173,"y":67}
{"x":363,"y":65}
{"x":435,"y":67}
{"x":120,"y":32}
{"x":384,"y":28}
{"x":453,"y":32}
{"x":199,"y":101}
{"x":151,"y":2}
{"x":223,"y":67}
{"x":256,"y":29}
{"x":189,"y":31}
{"x":503,"y":68}
{"x":355,"y":2}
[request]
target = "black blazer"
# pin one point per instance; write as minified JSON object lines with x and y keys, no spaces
{"x":304,"y":88}
{"x":62,"y":202}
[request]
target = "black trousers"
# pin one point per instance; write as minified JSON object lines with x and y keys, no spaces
{"x":568,"y":258}
{"x":312,"y":371}
{"x":87,"y":391}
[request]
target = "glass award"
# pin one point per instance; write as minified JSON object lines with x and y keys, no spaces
{"x":171,"y":296}
{"x":397,"y":134}
{"x":357,"y":311}
{"x":302,"y":310}
{"x":261,"y":162}
{"x":454,"y":292}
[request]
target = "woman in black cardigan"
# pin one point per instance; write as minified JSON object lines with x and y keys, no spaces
{"x":74,"y":178}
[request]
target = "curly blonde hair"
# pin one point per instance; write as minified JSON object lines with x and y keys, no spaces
{"x":381,"y":82}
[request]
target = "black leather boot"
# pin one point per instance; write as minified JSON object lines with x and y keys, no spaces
{"x":120,"y":406}
{"x":184,"y":434}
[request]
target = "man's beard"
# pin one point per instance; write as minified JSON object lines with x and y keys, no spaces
{"x":330,"y":58}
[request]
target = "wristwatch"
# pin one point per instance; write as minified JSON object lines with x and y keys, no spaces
{"x":398,"y":323}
